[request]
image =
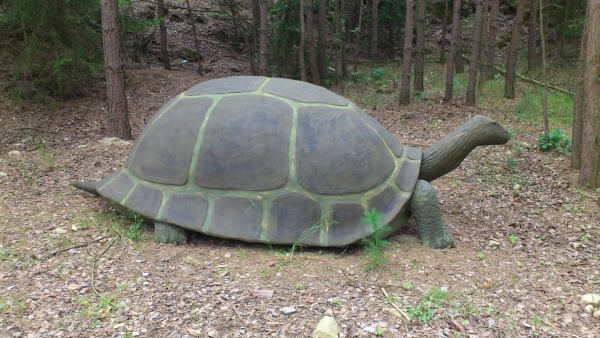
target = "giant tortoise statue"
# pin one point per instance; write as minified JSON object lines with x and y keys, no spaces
{"x":281,"y":161}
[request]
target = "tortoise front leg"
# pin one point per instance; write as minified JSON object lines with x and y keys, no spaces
{"x":168,"y":233}
{"x":430,"y":225}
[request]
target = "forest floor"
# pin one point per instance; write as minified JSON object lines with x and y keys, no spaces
{"x":528,"y":239}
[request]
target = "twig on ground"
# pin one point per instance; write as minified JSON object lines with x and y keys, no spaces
{"x":395,"y":306}
{"x":48,"y":255}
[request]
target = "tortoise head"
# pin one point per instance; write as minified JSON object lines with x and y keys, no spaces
{"x":449,"y":152}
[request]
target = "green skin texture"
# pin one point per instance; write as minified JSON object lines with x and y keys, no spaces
{"x":439,"y":159}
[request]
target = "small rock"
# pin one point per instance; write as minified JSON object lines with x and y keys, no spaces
{"x":14,"y":152}
{"x":493,"y":244}
{"x":3,"y":175}
{"x":60,"y":231}
{"x":288,"y":310}
{"x":262,"y":293}
{"x":74,"y":287}
{"x":114,"y":141}
{"x":576,"y":245}
{"x":326,"y":328}
{"x":195,"y":333}
{"x":370,"y":329}
{"x":227,"y":255}
{"x":597,"y":314}
{"x":588,"y":309}
{"x":590,"y":299}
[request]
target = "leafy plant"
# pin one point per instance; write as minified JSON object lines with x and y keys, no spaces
{"x":480,"y":255}
{"x":374,"y":244}
{"x":512,"y":239}
{"x":425,"y":310}
{"x":407,"y":286}
{"x":557,"y":139}
{"x":134,"y":231}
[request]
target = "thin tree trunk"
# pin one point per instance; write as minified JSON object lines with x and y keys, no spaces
{"x":444,"y":33}
{"x":163,"y":35}
{"x":509,"y":87}
{"x":302,"y":44}
{"x":263,"y":37}
{"x":531,"y":33}
{"x":322,"y":39}
{"x":357,"y":36}
{"x":314,"y":70}
{"x":483,"y":42}
{"x":589,"y":174}
{"x":118,"y":116}
{"x":564,"y":26}
{"x":255,"y":5}
{"x":577,"y":136}
{"x":474,"y":53}
{"x":458,"y":59}
{"x":544,"y":68}
{"x":195,"y":34}
{"x":343,"y":37}
{"x":375,"y":30}
{"x":491,"y":43}
{"x":453,"y":45}
{"x":420,"y":57}
{"x":406,"y":62}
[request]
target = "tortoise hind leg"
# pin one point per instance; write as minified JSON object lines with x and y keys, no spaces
{"x":430,"y":225}
{"x":168,"y":233}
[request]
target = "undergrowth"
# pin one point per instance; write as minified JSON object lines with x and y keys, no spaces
{"x":374,"y":245}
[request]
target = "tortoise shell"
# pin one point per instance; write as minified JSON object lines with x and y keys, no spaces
{"x":266,"y":160}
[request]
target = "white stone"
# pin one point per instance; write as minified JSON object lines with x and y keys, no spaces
{"x":114,"y":141}
{"x":60,"y":231}
{"x":327,"y":328}
{"x":597,"y":314}
{"x":14,"y":152}
{"x":588,"y":308}
{"x":288,"y":310}
{"x":590,"y":299}
{"x":3,"y":175}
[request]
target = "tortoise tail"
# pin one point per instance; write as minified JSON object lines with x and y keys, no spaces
{"x":91,"y":187}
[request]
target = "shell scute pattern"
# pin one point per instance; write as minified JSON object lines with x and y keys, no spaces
{"x":266,"y":160}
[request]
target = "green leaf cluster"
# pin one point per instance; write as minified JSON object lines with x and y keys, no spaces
{"x":375,"y":244}
{"x":557,"y":139}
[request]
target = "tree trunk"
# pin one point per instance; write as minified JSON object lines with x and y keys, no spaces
{"x":483,"y":42}
{"x":255,"y":4}
{"x":491,"y":43}
{"x":509,"y":87}
{"x":118,"y":117}
{"x":453,"y":43}
{"x":302,"y":44}
{"x":406,"y":62}
{"x":164,"y":51}
{"x":589,"y":174}
{"x":444,"y":33}
{"x":420,"y":57}
{"x":314,"y":70}
{"x":474,"y":53}
{"x":375,"y":30}
{"x":544,"y":69}
{"x":531,"y":34}
{"x":344,"y":37}
{"x":459,"y":65}
{"x":322,"y":39}
{"x":195,"y":34}
{"x":358,"y":33}
{"x":576,"y":138}
{"x":263,"y":37}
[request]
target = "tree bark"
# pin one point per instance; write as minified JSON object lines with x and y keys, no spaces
{"x":531,"y":34}
{"x":406,"y":62}
{"x":358,"y":34}
{"x":483,"y":42}
{"x":491,"y":43}
{"x":375,"y":30}
{"x":474,"y":53}
{"x":509,"y":87}
{"x":310,"y":31}
{"x":322,"y":39}
{"x":263,"y":37}
{"x":459,"y":66}
{"x":453,"y":45}
{"x":195,"y":34}
{"x":302,"y":44}
{"x":589,"y":174}
{"x":444,"y":33}
{"x":576,"y":138}
{"x":118,"y":116}
{"x":420,"y":57}
{"x":544,"y":70}
{"x":163,"y":35}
